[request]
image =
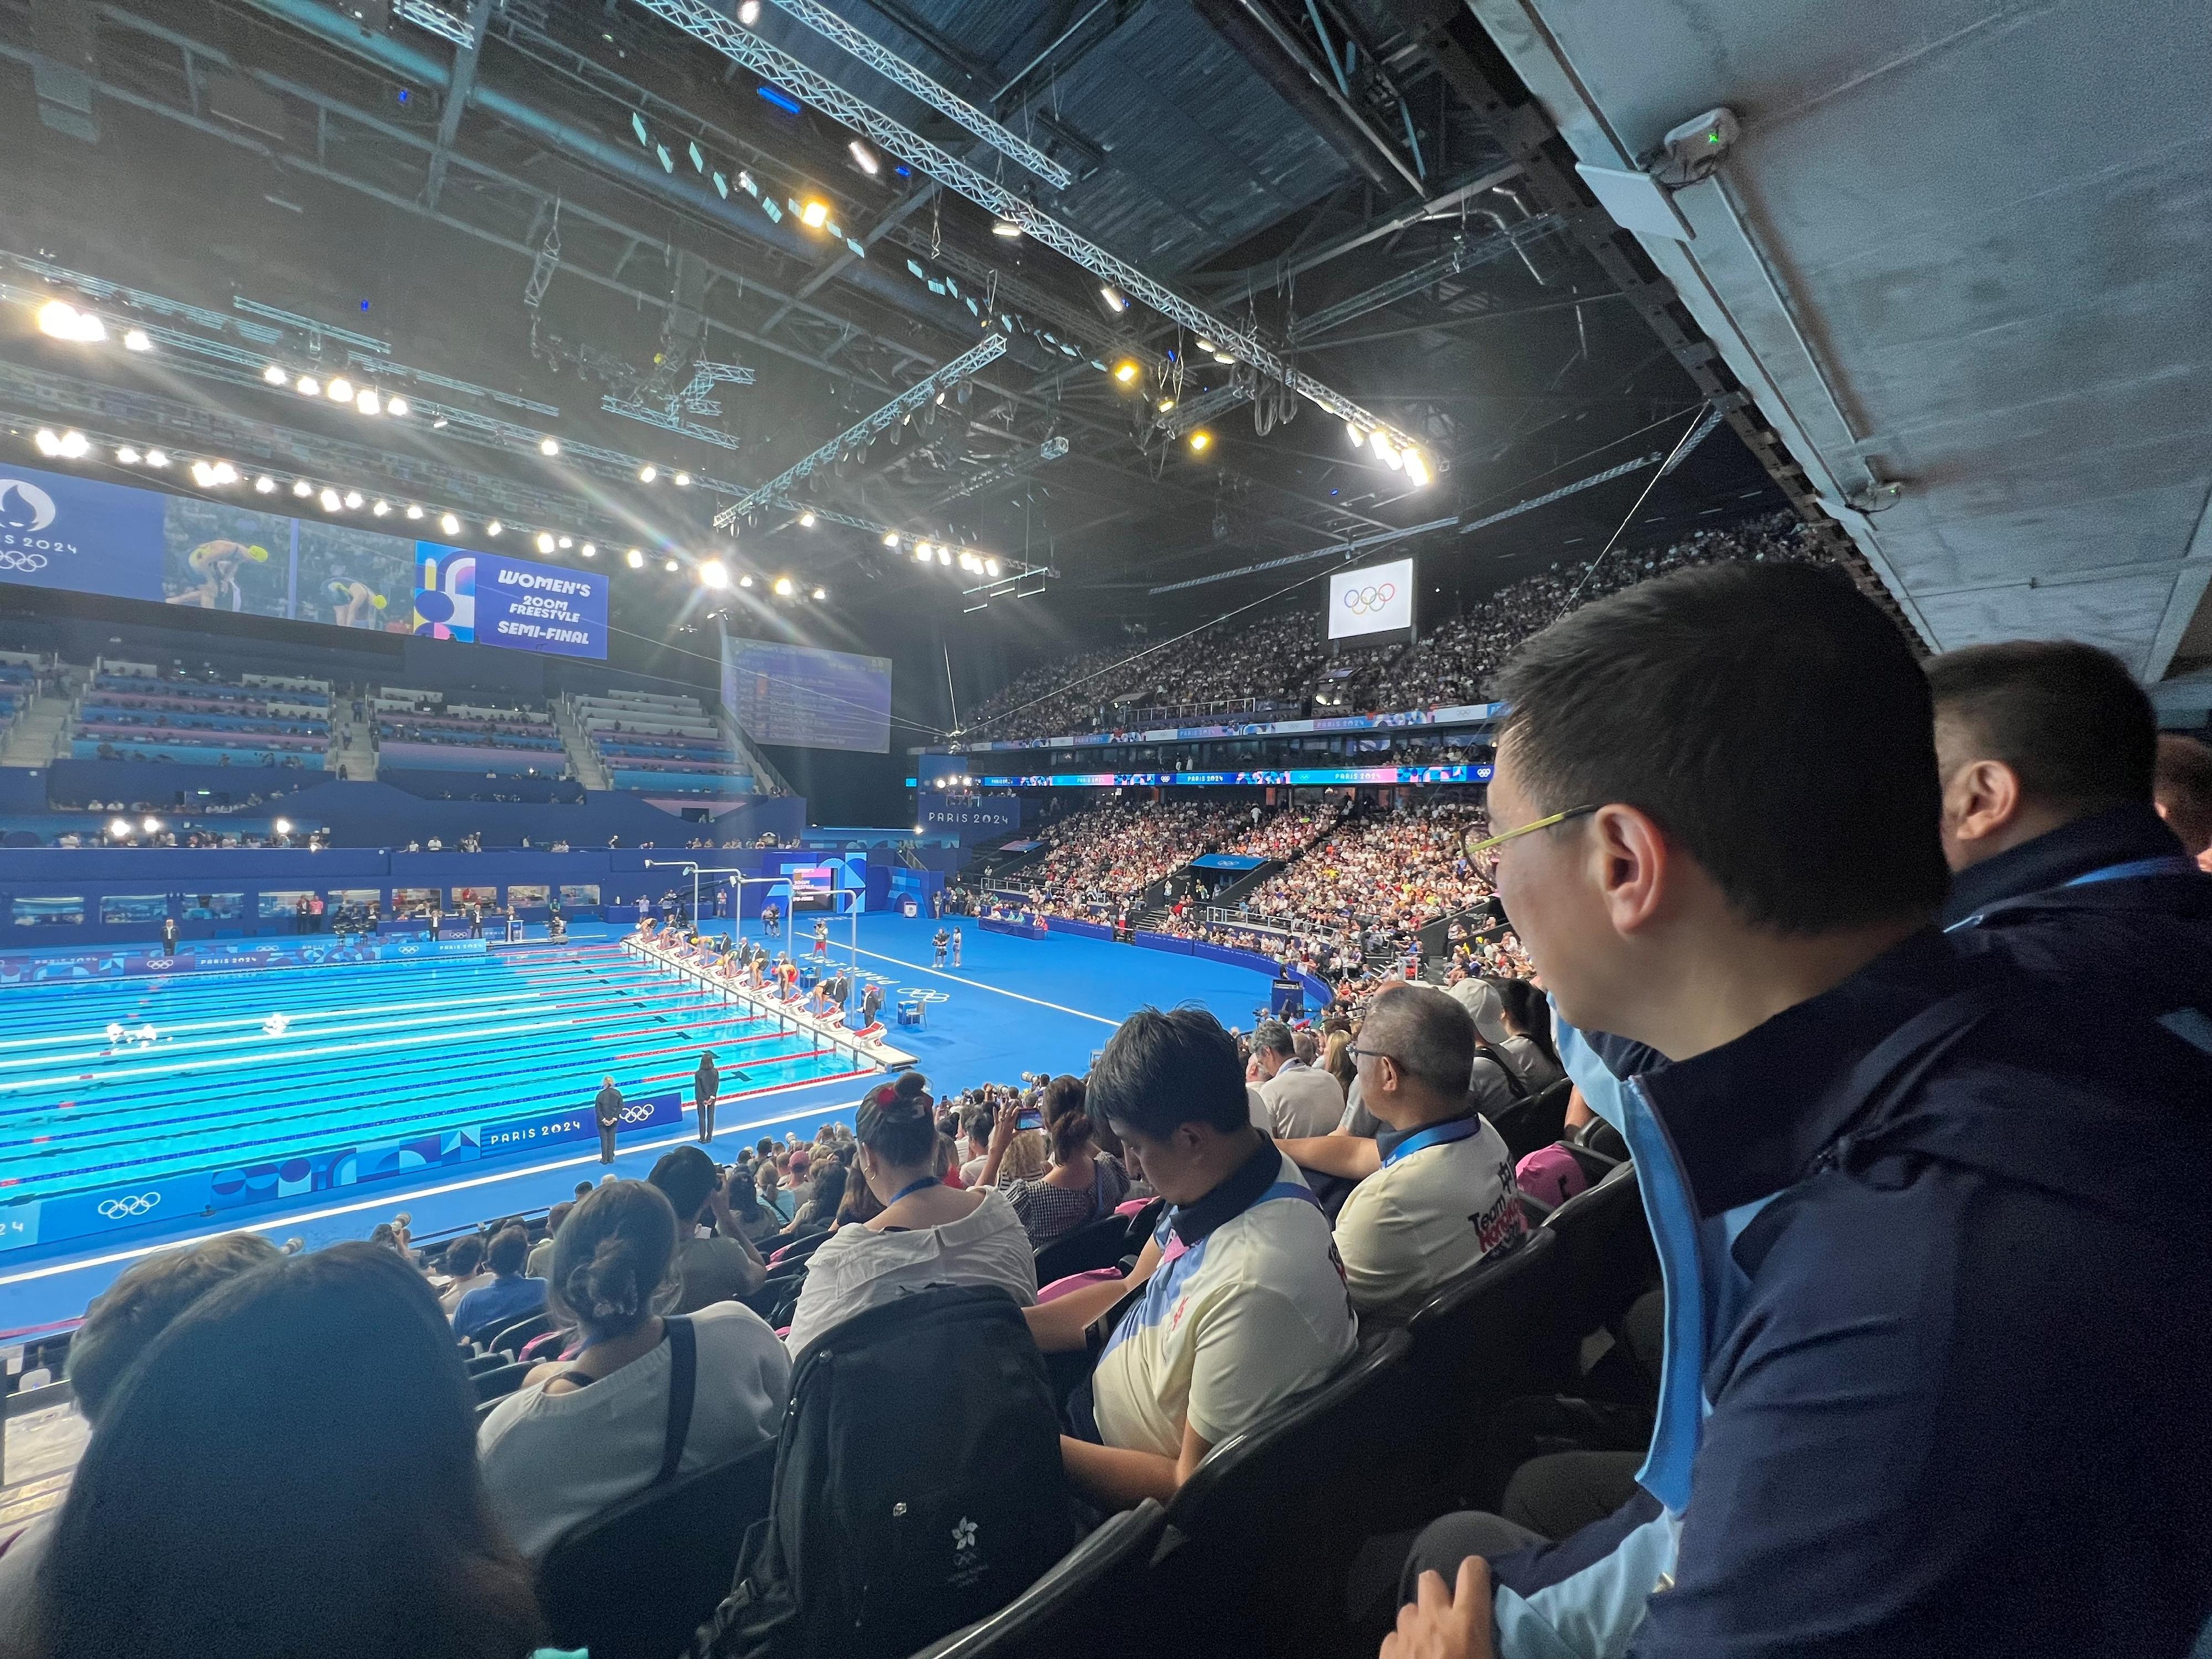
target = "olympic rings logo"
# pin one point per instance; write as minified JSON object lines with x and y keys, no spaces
{"x":1362,"y":601}
{"x":117,"y":1209}
{"x":26,"y":563}
{"x":637,"y":1114}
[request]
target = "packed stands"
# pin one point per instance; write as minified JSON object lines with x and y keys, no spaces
{"x":1287,"y":658}
{"x":653,"y":741}
{"x":140,"y":711}
{"x":455,"y":732}
{"x":1103,"y":858}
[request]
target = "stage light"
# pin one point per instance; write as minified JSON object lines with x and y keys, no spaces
{"x":46,"y":441}
{"x":633,"y":559}
{"x":75,"y":444}
{"x":494,"y":528}
{"x":369,"y":403}
{"x":683,"y":481}
{"x":64,"y":321}
{"x":1223,"y":357}
{"x":127,"y":455}
{"x":1112,"y":296}
{"x":744,"y":582}
{"x":1126,"y":371}
{"x":449,"y":523}
{"x":890,"y":538}
{"x":138,"y":340}
{"x":944,"y":556}
{"x":1205,"y":344}
{"x":749,"y":13}
{"x":990,"y":567}
{"x":438,"y":425}
{"x":151,"y":826}
{"x":1381,"y":445}
{"x":276,"y":374}
{"x":714,"y":573}
{"x":397,"y":407}
{"x":353,"y":500}
{"x":564,"y":543}
{"x":121,"y":828}
{"x":303,"y":488}
{"x":589,"y":549}
{"x":1417,"y":468}
{"x":1005,"y":227}
{"x":783,"y":587}
{"x":339,"y":391}
{"x":309,"y":386}
{"x":806,"y":520}
{"x":414,"y":509}
{"x":648,"y":473}
{"x":821,"y":593}
{"x":670,"y":567}
{"x":549,"y":446}
{"x":157,"y":458}
{"x":379,"y":506}
{"x":1166,"y":403}
{"x":1201,"y":441}
{"x":264,"y":485}
{"x":544,"y":543}
{"x":203,"y":474}
{"x":814,"y":215}
{"x":1358,"y":437}
{"x":282,"y":826}
{"x":865,"y":157}
{"x":329,"y":499}
{"x":921,"y":551}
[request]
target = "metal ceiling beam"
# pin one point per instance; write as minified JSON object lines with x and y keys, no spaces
{"x":457,"y":98}
{"x":1462,"y":255}
{"x":726,"y":35}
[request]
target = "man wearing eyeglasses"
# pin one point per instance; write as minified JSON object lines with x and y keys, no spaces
{"x":1937,"y":1370}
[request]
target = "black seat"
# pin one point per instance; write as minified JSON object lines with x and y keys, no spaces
{"x":1081,"y":1609}
{"x":1260,"y":1537}
{"x":635,"y":1581}
{"x":1536,"y":1121}
{"x":478,"y":1364}
{"x":510,"y":1338}
{"x":1477,"y":1340}
{"x":500,"y":1380}
{"x":1601,"y":1138}
{"x":1097,"y":1243}
{"x":1605,"y":1256}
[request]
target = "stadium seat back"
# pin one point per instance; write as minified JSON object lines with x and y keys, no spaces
{"x":1480,"y":1339}
{"x":1097,"y":1243}
{"x":500,"y":1381}
{"x":511,"y":1338}
{"x":1536,"y":1121}
{"x":635,"y":1581}
{"x":1083,"y":1608}
{"x":1607,"y":1259}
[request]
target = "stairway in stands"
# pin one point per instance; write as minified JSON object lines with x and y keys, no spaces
{"x":584,"y":762}
{"x":40,"y":734}
{"x":353,"y":742}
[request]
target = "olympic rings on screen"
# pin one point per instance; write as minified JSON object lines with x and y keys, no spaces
{"x":1360,"y":601}
{"x":25,"y":562}
{"x":117,"y":1209}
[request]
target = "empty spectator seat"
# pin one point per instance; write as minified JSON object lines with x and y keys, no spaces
{"x":1083,"y":1608}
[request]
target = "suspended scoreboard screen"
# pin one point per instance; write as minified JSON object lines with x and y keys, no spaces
{"x":1378,"y":600}
{"x":807,"y":699}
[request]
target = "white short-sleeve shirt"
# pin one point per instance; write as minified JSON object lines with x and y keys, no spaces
{"x":1439,"y":1204}
{"x":1231,"y":1328}
{"x":858,"y":1268}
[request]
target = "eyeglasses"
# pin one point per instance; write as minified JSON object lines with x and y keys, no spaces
{"x":1355,"y":1051}
{"x":1483,"y":854}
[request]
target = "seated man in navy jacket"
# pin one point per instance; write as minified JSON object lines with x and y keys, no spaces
{"x":1937,"y":1372}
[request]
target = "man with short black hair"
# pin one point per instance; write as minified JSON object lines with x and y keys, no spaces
{"x":1244,"y":1309}
{"x":510,"y":1295}
{"x":1300,"y":1100}
{"x":1937,"y":1365}
{"x":719,"y":1267}
{"x":2048,"y":753}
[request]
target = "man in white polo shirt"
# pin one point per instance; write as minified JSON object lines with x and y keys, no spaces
{"x":1443,"y":1196}
{"x":1243,"y":1310}
{"x":1301,"y":1100}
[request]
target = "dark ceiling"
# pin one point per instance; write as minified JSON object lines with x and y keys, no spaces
{"x":1299,"y":169}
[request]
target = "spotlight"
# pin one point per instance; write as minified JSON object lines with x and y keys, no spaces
{"x":449,"y":523}
{"x":890,"y":538}
{"x":544,"y":542}
{"x":1005,"y":227}
{"x":264,"y":485}
{"x":64,"y":321}
{"x":119,"y":829}
{"x":1223,"y":357}
{"x":414,"y":509}
{"x":1205,"y":344}
{"x":47,"y":441}
{"x":282,"y":826}
{"x":1112,"y":296}
{"x":821,"y":593}
{"x":396,"y":408}
{"x":138,"y":340}
{"x":127,"y":455}
{"x":714,"y":573}
{"x":670,"y":566}
{"x":151,"y":826}
{"x":589,"y":550}
{"x":339,"y":391}
{"x":157,"y":458}
{"x":944,"y":556}
{"x":1201,"y":441}
{"x":1381,"y":445}
{"x":749,"y":13}
{"x":633,"y":559}
{"x":369,"y":404}
{"x":353,"y":500}
{"x":783,"y":589}
{"x":329,"y":499}
{"x":990,"y":567}
{"x":438,"y":425}
{"x":69,"y":444}
{"x":1166,"y":403}
{"x":1126,"y":371}
{"x":494,"y":527}
{"x":203,"y":474}
{"x":1417,"y":469}
{"x":865,"y":157}
{"x":309,"y":386}
{"x":806,"y":520}
{"x":648,"y":473}
{"x":744,"y":582}
{"x":565,"y":543}
{"x":303,"y":488}
{"x":1358,"y":437}
{"x":683,"y":481}
{"x":379,"y":506}
{"x":276,"y":374}
{"x":814,"y":215}
{"x":921,"y":551}
{"x":549,"y":446}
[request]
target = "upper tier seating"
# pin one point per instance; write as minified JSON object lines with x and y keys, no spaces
{"x":140,"y":711}
{"x":667,"y":744}
{"x":466,"y":732}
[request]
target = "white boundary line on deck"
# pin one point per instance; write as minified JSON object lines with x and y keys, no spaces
{"x":1057,"y":1008}
{"x":385,"y":1199}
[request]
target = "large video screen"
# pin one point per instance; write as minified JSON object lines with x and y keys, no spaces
{"x":490,"y":601}
{"x":807,"y":699}
{"x":1376,"y":600}
{"x":89,"y":536}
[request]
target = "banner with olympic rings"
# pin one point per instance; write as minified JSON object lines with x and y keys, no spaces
{"x":1378,"y":600}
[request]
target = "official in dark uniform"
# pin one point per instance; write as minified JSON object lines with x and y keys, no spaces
{"x":705,"y":1086}
{"x":608,"y":1108}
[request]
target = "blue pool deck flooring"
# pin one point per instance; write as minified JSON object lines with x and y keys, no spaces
{"x":378,"y":1050}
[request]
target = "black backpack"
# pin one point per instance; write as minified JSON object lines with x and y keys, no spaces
{"x":918,"y":1486}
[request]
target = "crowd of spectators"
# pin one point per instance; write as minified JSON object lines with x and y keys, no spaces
{"x":1287,"y":658}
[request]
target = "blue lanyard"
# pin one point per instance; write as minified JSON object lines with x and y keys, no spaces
{"x":1436,"y":1135}
{"x":912,"y":1187}
{"x":2168,"y":863}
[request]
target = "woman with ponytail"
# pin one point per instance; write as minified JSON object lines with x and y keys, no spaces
{"x":928,"y":1233}
{"x":585,"y":1433}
